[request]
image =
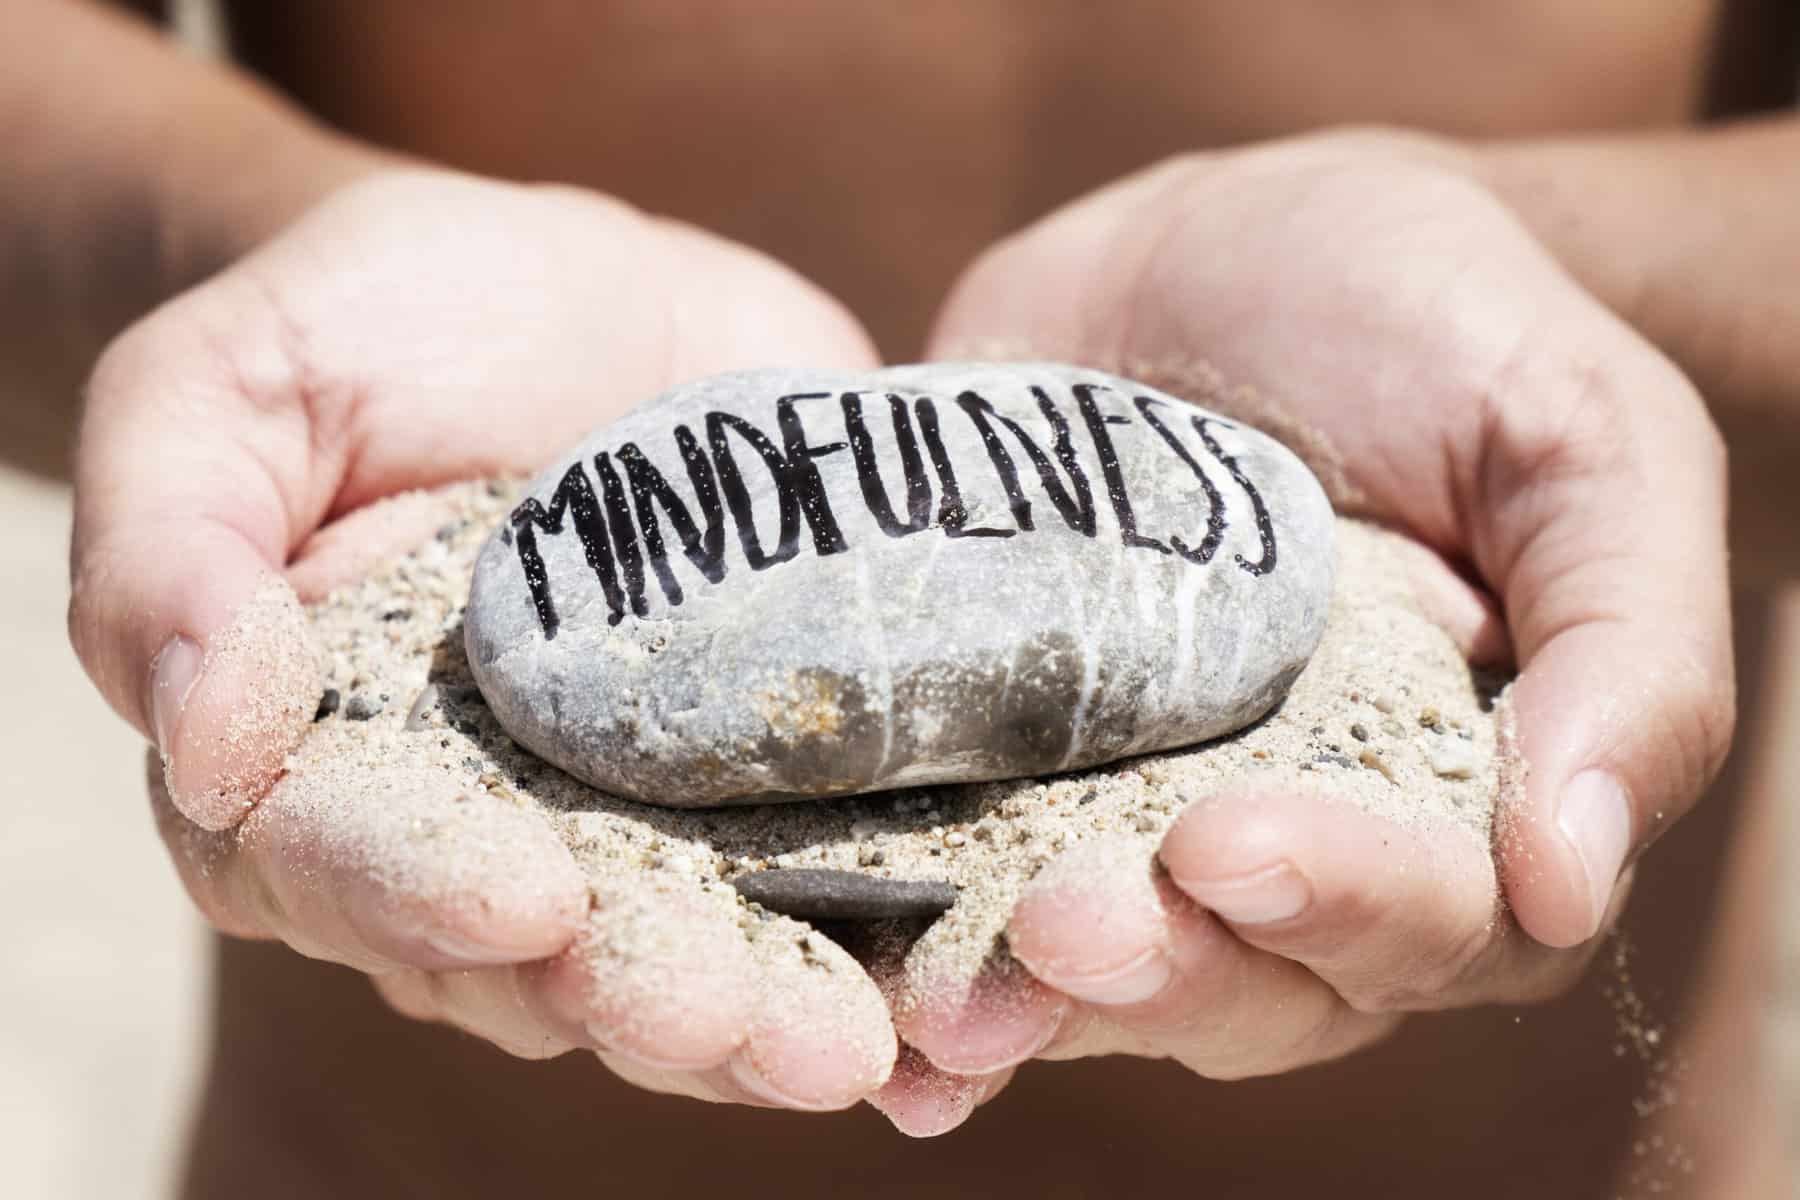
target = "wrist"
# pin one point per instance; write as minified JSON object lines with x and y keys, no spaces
{"x":1677,"y":232}
{"x":1601,"y":207}
{"x":1680,"y":234}
{"x":257,"y":179}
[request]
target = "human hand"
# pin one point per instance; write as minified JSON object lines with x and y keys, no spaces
{"x":1443,"y":375}
{"x":416,"y":328}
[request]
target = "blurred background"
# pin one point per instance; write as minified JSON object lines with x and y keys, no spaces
{"x":102,"y":1000}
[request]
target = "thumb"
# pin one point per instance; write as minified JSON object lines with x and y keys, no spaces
{"x":184,"y":516}
{"x":1603,"y":520}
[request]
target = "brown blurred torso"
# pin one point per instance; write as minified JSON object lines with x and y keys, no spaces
{"x":876,"y":148}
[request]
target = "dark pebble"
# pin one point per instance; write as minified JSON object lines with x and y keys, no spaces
{"x":328,"y":704}
{"x":844,"y":895}
{"x":1358,"y":732}
{"x":361,"y":707}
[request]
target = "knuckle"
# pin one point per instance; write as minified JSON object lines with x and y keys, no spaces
{"x":1572,"y":431}
{"x":1332,"y":1031}
{"x":1452,"y":967}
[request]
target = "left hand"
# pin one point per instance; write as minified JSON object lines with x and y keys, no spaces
{"x":1444,"y":376}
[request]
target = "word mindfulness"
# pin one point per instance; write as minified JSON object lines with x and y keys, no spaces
{"x":763,"y":479}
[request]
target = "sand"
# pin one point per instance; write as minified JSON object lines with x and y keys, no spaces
{"x":1387,"y":716}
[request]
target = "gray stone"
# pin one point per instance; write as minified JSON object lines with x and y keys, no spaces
{"x":844,"y":895}
{"x":784,"y":584}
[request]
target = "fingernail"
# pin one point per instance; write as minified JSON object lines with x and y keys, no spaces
{"x":1132,"y":983}
{"x":1596,"y":819}
{"x":1275,"y":893}
{"x":173,"y":673}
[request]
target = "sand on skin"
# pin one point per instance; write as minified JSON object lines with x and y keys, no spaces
{"x":1387,"y":716}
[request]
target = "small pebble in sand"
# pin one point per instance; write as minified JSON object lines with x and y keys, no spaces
{"x":419,"y":715}
{"x":1375,"y":762}
{"x":328,"y":704}
{"x":1430,"y":718}
{"x":362,"y":706}
{"x":1360,"y":732}
{"x":844,"y":895}
{"x":1452,"y":757}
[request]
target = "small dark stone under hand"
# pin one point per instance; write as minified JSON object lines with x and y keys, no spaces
{"x":328,"y":704}
{"x":844,"y":895}
{"x":361,"y":707}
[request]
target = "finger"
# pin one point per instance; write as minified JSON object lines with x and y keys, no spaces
{"x":353,"y":546}
{"x":821,"y":1037}
{"x":206,"y":862}
{"x":1603,"y":518}
{"x":690,"y":1084}
{"x":1460,"y":608}
{"x":496,"y":1004}
{"x":658,"y":982}
{"x":1104,"y":925}
{"x":923,"y":1101}
{"x":1392,"y":917}
{"x":188,"y":499}
{"x":658,"y":975}
{"x":975,"y":1026}
{"x":382,"y":874}
{"x":919,"y":1098}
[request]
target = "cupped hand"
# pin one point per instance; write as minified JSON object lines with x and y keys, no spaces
{"x":416,"y":328}
{"x":1363,"y":296}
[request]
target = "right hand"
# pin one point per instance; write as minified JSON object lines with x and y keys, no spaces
{"x":416,"y":328}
